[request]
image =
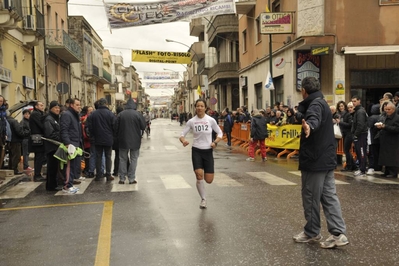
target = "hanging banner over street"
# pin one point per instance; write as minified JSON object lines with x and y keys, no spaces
{"x":154,"y":85}
{"x":122,"y":15}
{"x":161,"y":75}
{"x":161,"y":57}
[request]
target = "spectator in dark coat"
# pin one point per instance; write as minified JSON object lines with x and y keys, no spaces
{"x":18,"y":134}
{"x":25,"y":146}
{"x":128,"y":129}
{"x":71,"y":134}
{"x":258,"y":135}
{"x":101,"y":126}
{"x":317,"y":161}
{"x":345,"y":124}
{"x":115,"y":146}
{"x":389,"y":141}
{"x":359,"y":131}
{"x":227,"y":125}
{"x":52,"y":131}
{"x":36,"y":124}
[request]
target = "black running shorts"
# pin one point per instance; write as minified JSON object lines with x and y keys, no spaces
{"x":203,"y":159}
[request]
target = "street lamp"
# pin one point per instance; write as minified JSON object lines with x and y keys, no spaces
{"x":189,"y":48}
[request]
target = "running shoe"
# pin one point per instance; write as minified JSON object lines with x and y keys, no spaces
{"x":71,"y":190}
{"x":335,"y":241}
{"x":303,"y":238}
{"x":203,"y":204}
{"x":250,"y":159}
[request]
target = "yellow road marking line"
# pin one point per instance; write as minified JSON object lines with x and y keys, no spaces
{"x":104,"y":236}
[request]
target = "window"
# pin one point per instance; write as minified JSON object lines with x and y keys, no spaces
{"x":257,"y":28}
{"x":244,"y":41}
{"x":276,"y":6}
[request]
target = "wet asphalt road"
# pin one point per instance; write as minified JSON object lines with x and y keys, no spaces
{"x":248,"y":221}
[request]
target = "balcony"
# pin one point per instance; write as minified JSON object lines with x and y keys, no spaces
{"x":126,"y":84}
{"x":118,"y":60}
{"x":110,"y":88}
{"x":195,"y":81}
{"x":92,"y":74}
{"x":33,"y":26}
{"x":199,"y":51}
{"x":63,"y":46}
{"x":203,"y":68}
{"x":10,"y":14}
{"x":226,"y":26}
{"x":105,"y":77}
{"x":196,"y":27}
{"x":243,"y":7}
{"x":223,"y":71}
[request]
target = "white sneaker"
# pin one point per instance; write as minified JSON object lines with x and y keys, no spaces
{"x":203,"y":204}
{"x":71,"y":190}
{"x":250,"y":159}
{"x":370,"y":171}
{"x":82,"y":178}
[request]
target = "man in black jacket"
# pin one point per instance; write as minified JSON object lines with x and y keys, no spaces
{"x":317,"y":161}
{"x":18,"y":134}
{"x":128,"y":128}
{"x":36,"y":128}
{"x":359,"y":131}
{"x":25,"y":150}
{"x":52,"y":131}
{"x":101,"y":123}
{"x":71,"y":134}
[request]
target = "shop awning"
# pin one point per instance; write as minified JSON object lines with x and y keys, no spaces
{"x":371,"y":50}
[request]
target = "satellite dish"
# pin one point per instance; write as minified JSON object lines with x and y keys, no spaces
{"x":279,"y":62}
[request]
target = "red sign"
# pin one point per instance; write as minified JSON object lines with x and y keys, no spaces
{"x":213,"y":101}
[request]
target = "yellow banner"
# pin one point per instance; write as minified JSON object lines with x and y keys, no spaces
{"x":161,"y":57}
{"x":284,"y":137}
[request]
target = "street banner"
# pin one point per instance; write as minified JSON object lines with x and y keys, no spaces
{"x":161,"y":57}
{"x":130,"y":14}
{"x":157,"y":85}
{"x":161,"y":75}
{"x":199,"y":91}
{"x":283,"y":137}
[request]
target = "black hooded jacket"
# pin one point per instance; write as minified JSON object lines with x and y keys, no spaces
{"x":318,"y":151}
{"x":128,"y":127}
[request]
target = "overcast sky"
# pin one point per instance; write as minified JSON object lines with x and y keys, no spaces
{"x":122,"y":41}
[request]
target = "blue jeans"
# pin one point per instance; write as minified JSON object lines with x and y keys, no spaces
{"x":123,"y":157}
{"x":100,"y":150}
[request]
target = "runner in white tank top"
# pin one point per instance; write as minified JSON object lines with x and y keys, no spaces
{"x":202,"y":148}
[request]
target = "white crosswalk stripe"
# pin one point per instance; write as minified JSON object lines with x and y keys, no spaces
{"x":371,"y":178}
{"x":174,"y":182}
{"x":82,"y":188}
{"x":271,"y":179}
{"x":124,"y":188}
{"x":223,"y":180}
{"x":21,"y":190}
{"x":337,"y":182}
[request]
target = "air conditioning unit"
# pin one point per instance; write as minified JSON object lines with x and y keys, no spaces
{"x":29,"y":22}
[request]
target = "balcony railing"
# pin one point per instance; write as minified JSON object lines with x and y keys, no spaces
{"x":222,"y":25}
{"x":107,"y":76}
{"x":64,"y":46}
{"x":223,"y":71}
{"x":10,"y":13}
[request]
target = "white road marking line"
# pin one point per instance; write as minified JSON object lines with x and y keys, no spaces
{"x":337,"y":182}
{"x":271,"y":179}
{"x":21,"y":190}
{"x":174,"y":182}
{"x":224,"y":180}
{"x":124,"y":188}
{"x":170,"y":148}
{"x":82,"y":187}
{"x":371,"y":178}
